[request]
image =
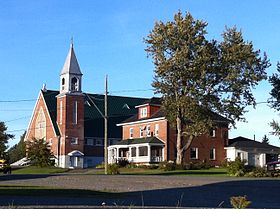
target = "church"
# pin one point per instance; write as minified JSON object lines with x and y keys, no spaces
{"x":71,"y":120}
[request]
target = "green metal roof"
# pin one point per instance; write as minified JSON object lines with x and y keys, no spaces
{"x":150,"y":140}
{"x":119,"y":109}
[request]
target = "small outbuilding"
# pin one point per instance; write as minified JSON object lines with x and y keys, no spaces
{"x":255,"y":153}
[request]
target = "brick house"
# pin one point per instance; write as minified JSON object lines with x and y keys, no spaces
{"x":148,"y":138}
{"x":70,"y":121}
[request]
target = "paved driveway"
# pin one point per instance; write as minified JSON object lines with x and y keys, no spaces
{"x":188,"y":191}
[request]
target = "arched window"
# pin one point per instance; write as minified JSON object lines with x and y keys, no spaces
{"x":74,"y":84}
{"x":40,"y":127}
{"x":62,"y":83}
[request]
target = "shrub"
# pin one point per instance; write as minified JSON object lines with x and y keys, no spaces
{"x":199,"y":166}
{"x":167,"y":166}
{"x":237,"y":167}
{"x":102,"y":165}
{"x":239,"y":202}
{"x":123,"y":163}
{"x":257,"y":172}
{"x":113,"y":169}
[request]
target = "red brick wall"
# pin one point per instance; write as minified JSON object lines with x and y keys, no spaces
{"x":168,"y":135}
{"x":50,"y":133}
{"x":68,"y":129}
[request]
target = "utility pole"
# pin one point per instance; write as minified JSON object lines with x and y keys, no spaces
{"x":106,"y":125}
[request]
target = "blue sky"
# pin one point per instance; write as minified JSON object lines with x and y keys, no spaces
{"x":108,"y":39}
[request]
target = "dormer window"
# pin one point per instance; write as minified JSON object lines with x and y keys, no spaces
{"x":74,"y":84}
{"x":148,"y":130}
{"x":143,"y":112}
{"x":63,"y":84}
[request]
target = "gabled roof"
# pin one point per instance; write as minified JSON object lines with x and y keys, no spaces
{"x":71,"y":64}
{"x":245,"y":143}
{"x":156,"y":101}
{"x":150,"y":140}
{"x":119,"y":109}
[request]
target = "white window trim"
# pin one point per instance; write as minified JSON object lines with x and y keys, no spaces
{"x":131,"y":133}
{"x":76,"y":141}
{"x":143,"y":112}
{"x":196,"y":153}
{"x":148,"y":130}
{"x":214,"y":154}
{"x":75,"y":112}
{"x":141,"y":132}
{"x":157,"y":129}
{"x":213,"y":133}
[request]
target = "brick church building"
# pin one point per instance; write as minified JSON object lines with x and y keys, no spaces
{"x":70,"y":120}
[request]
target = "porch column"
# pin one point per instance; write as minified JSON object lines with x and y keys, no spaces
{"x":129,"y":154}
{"x":117,"y":154}
{"x":162,"y":153}
{"x":137,"y":153}
{"x":149,"y":153}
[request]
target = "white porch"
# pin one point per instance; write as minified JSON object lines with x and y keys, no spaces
{"x":136,"y":153}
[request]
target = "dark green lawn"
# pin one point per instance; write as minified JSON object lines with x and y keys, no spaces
{"x":124,"y":171}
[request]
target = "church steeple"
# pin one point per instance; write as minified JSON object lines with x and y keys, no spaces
{"x":71,"y":76}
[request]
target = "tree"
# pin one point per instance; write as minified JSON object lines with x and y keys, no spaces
{"x":4,"y":138}
{"x":274,"y":100}
{"x":39,"y":153}
{"x":265,"y":140}
{"x":18,"y":151}
{"x":198,"y":78}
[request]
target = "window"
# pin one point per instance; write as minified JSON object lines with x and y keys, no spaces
{"x":143,"y":112}
{"x":156,"y":129}
{"x":89,"y":141}
{"x":62,"y":84}
{"x":194,"y":153}
{"x":133,"y":152}
{"x":74,"y":140}
{"x":148,"y":130}
{"x":141,"y":132}
{"x":98,"y":142}
{"x":212,"y":154}
{"x":131,"y":133}
{"x":60,"y":112}
{"x":50,"y":141}
{"x":75,"y":110}
{"x":213,"y":132}
{"x":143,"y":151}
{"x":40,"y":129}
{"x":74,"y":84}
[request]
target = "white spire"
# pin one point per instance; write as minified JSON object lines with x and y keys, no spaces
{"x":71,"y":65}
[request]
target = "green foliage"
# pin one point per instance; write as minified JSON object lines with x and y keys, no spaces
{"x":102,"y":165}
{"x":239,"y":202}
{"x":257,"y":172}
{"x":113,"y":169}
{"x":265,"y":140}
{"x":200,"y":166}
{"x":4,"y":138}
{"x":198,"y":77}
{"x":237,"y":167}
{"x":18,"y":151}
{"x":167,"y":166}
{"x":39,"y":153}
{"x":123,"y":163}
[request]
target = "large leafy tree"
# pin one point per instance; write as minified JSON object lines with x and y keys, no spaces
{"x":39,"y":153}
{"x":198,"y":77}
{"x":4,"y":138}
{"x":17,"y":151}
{"x":274,"y":101}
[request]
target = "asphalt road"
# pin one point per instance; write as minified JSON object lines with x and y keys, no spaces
{"x":172,"y":191}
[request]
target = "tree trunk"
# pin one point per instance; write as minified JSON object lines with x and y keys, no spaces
{"x":179,"y":158}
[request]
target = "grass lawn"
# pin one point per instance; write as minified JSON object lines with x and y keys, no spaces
{"x":124,"y":171}
{"x":38,"y":170}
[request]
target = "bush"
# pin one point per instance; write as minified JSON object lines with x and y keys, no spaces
{"x":113,"y":169}
{"x":239,"y":202}
{"x":237,"y":167}
{"x":167,"y":166}
{"x":102,"y":165}
{"x":257,"y":172}
{"x":199,"y":166}
{"x":123,"y":163}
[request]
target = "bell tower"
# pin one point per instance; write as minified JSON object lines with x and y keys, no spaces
{"x":70,"y":113}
